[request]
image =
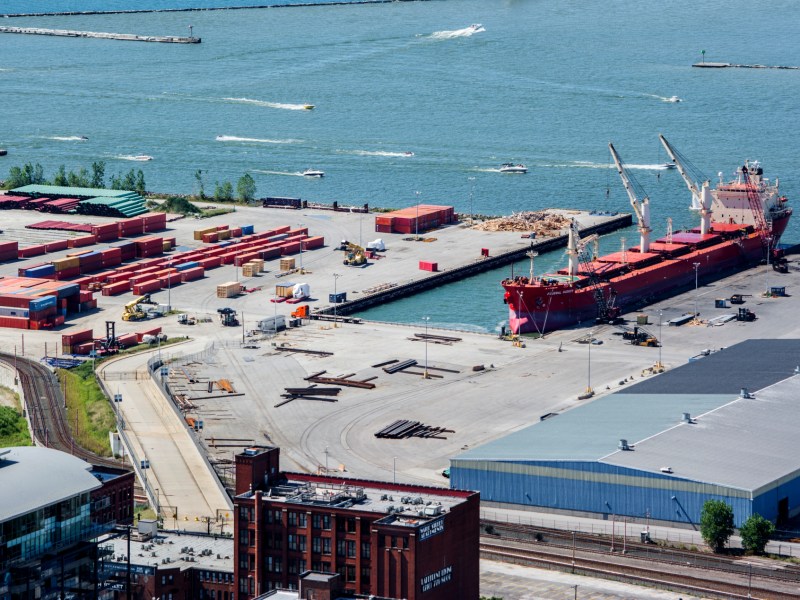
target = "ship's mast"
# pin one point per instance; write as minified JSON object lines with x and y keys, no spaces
{"x":573,"y":251}
{"x":701,"y":192}
{"x":640,"y":207}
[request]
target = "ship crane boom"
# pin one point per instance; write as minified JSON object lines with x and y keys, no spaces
{"x":701,"y":192}
{"x":640,"y":206}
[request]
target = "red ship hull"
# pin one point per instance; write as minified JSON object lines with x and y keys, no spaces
{"x":546,"y":305}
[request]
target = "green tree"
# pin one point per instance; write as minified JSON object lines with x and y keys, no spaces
{"x":60,"y":177}
{"x":716,"y":524}
{"x":81,"y":179}
{"x":116,"y":182}
{"x":755,"y":532}
{"x":198,"y":175}
{"x":140,"y":186}
{"x":25,"y":175}
{"x":246,"y":188}
{"x":34,"y":173}
{"x":129,"y":182}
{"x":223,"y":192}
{"x":99,"y":174}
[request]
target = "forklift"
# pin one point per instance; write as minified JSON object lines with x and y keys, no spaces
{"x":227,"y":316}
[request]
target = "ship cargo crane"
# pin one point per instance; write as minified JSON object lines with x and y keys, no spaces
{"x":578,"y":253}
{"x":640,"y":202}
{"x":697,"y":182}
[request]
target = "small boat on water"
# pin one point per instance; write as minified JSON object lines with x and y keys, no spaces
{"x":313,"y":173}
{"x":673,"y":99}
{"x":513,"y":168}
{"x":309,"y":106}
{"x":141,"y":157}
{"x":408,"y":154}
{"x":476,"y":28}
{"x":3,"y":151}
{"x":669,"y":165}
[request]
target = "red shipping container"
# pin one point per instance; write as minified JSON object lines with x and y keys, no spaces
{"x":56,"y":246}
{"x":58,"y":320}
{"x":313,"y":242}
{"x":83,"y":349}
{"x":117,"y":277}
{"x":14,"y":322}
{"x":236,"y":232}
{"x":228,"y":258}
{"x":209,"y":238}
{"x":82,"y":282}
{"x":67,"y":273}
{"x":269,"y":253}
{"x":245,"y":258}
{"x":141,"y":334}
{"x":222,"y":227}
{"x":8,"y":247}
{"x":210,"y":263}
{"x":146,"y":287}
{"x":192,"y":274}
{"x":428,"y":266}
{"x":112,"y":289}
{"x":31,"y":251}
{"x":290,"y":248}
{"x":15,"y":301}
{"x":79,"y":242}
{"x":70,"y":339}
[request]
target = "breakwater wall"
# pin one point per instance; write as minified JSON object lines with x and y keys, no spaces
{"x":105,"y":7}
{"x":468,"y":270}
{"x":129,"y":37}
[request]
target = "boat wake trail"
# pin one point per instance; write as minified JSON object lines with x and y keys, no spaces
{"x":480,"y":170}
{"x":584,"y":164}
{"x":233,"y":138}
{"x":67,"y":138}
{"x":287,"y":173}
{"x":378,"y":153}
{"x":137,"y":158}
{"x":457,"y":33}
{"x":280,"y":105}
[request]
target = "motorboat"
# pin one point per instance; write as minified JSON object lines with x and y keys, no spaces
{"x":313,"y":173}
{"x":408,"y":154}
{"x":513,"y":168}
{"x":669,"y":165}
{"x":476,"y":28}
{"x":142,"y":157}
{"x":308,"y":106}
{"x":673,"y":99}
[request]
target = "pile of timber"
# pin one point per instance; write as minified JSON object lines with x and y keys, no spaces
{"x":343,"y":380}
{"x":540,"y":222}
{"x":406,"y":429}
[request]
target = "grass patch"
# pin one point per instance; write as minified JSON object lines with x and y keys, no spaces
{"x":89,"y":412}
{"x":13,"y":428}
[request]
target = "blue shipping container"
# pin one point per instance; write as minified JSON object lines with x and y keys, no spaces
{"x":280,"y":236}
{"x":187,"y":265}
{"x":42,"y":271}
{"x":42,"y":303}
{"x":247,"y":229}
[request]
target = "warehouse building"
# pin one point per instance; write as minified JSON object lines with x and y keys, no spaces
{"x":722,"y":427}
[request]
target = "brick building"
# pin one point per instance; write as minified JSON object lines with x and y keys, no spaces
{"x":391,"y":540}
{"x":113,"y":502}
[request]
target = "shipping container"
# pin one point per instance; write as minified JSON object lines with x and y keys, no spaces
{"x":112,"y":289}
{"x":428,"y":266}
{"x":56,"y":246}
{"x":192,"y":274}
{"x":146,"y":287}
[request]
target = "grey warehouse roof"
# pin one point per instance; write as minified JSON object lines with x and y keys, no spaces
{"x":744,"y":443}
{"x":32,"y":478}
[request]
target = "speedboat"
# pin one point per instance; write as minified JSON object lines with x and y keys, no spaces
{"x":408,"y":154}
{"x":513,"y":168}
{"x":669,"y":165}
{"x":313,"y":173}
{"x":673,"y":99}
{"x":308,"y":106}
{"x":476,"y":28}
{"x":142,"y":157}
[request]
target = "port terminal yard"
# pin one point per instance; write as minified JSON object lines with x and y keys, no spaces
{"x":483,"y":387}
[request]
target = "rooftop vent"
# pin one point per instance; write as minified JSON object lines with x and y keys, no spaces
{"x":666,"y":469}
{"x":687,"y":418}
{"x":623,"y":445}
{"x":745,"y":393}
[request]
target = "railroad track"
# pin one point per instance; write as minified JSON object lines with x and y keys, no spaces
{"x":677,"y":570}
{"x":46,"y":412}
{"x":787,"y":572}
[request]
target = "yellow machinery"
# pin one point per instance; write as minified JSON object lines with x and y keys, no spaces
{"x":132,"y":311}
{"x":354,"y":255}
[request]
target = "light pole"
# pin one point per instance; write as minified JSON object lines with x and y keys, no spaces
{"x":335,"y":300}
{"x":766,"y":273}
{"x":301,"y":253}
{"x":589,"y":389}
{"x":169,"y":278}
{"x":190,"y":31}
{"x":573,"y":552}
{"x":696,"y":268}
{"x":394,"y":469}
{"x":471,"y":193}
{"x":416,"y":220}
{"x":326,"y":460}
{"x":660,"y":340}
{"x":426,"y":319}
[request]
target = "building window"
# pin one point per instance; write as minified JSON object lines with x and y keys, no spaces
{"x":292,"y":541}
{"x":351,"y":549}
{"x":316,"y":546}
{"x":243,"y":585}
{"x":316,"y":565}
{"x":365,"y":550}
{"x":405,"y":543}
{"x":301,"y":520}
{"x":252,"y":537}
{"x":243,"y":561}
{"x":340,"y":524}
{"x":351,"y":525}
{"x":316,"y":521}
{"x":301,"y":543}
{"x":394,"y":542}
{"x":277,"y":517}
{"x":340,"y":548}
{"x":351,"y":573}
{"x":292,"y":519}
{"x":365,"y":573}
{"x":326,"y":545}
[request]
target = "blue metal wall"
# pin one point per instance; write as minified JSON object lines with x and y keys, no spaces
{"x":598,"y":488}
{"x":766,"y":504}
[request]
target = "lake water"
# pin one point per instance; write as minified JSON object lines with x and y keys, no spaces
{"x":547,"y":84}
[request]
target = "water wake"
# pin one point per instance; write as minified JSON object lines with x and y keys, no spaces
{"x":68,"y":138}
{"x":457,"y":33}
{"x":378,"y":153}
{"x":584,"y":164}
{"x":264,"y":103}
{"x":136,"y":157}
{"x":233,"y":138}
{"x":287,"y":173}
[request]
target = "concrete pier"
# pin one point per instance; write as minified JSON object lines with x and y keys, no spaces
{"x":461,"y":272}
{"x":129,"y":37}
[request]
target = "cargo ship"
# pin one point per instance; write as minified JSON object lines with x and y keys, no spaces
{"x":741,"y":222}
